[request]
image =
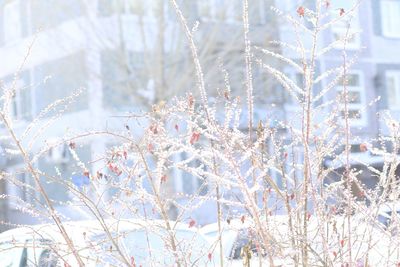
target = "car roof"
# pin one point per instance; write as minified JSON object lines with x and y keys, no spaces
{"x":88,"y":227}
{"x":390,"y":206}
{"x":234,"y":224}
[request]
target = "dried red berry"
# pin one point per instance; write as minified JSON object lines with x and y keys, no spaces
{"x":192,"y":223}
{"x":300,"y":11}
{"x":327,"y":3}
{"x":72,"y":145}
{"x":363,"y":147}
{"x":150,"y":147}
{"x":133,"y":262}
{"x":190,"y":101}
{"x":153,"y":128}
{"x":194,"y":138}
{"x":226,"y":95}
{"x":341,"y":11}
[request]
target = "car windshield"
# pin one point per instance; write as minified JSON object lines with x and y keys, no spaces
{"x":234,"y":241}
{"x":386,"y":217}
{"x":143,"y":246}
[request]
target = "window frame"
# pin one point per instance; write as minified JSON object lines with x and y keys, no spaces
{"x":290,"y":103}
{"x":16,"y":110}
{"x":386,"y":16}
{"x":343,"y":27}
{"x":13,"y":190}
{"x":11,"y":10}
{"x":230,"y":16}
{"x":351,"y":106}
{"x":148,"y":9}
{"x":395,"y":74}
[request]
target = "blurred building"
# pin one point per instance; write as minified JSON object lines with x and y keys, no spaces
{"x":117,"y":57}
{"x":373,"y":81}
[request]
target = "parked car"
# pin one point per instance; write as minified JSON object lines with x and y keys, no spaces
{"x":327,"y":237}
{"x":239,"y":237}
{"x":389,"y":213}
{"x":139,"y":241}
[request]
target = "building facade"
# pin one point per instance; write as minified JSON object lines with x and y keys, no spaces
{"x":124,"y":56}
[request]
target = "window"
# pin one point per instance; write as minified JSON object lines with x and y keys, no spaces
{"x":59,"y":79}
{"x":125,"y":77}
{"x":390,"y":16}
{"x":204,"y":9}
{"x":356,"y":99}
{"x":107,"y":8}
{"x":348,"y":27}
{"x":21,"y":101}
{"x":12,"y":21}
{"x":221,"y":10}
{"x":17,"y":188}
{"x":393,"y":89}
{"x":49,"y":13}
{"x":298,"y":79}
{"x":135,"y":7}
{"x":21,"y":92}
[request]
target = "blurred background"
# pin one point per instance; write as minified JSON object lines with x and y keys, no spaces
{"x":109,"y":58}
